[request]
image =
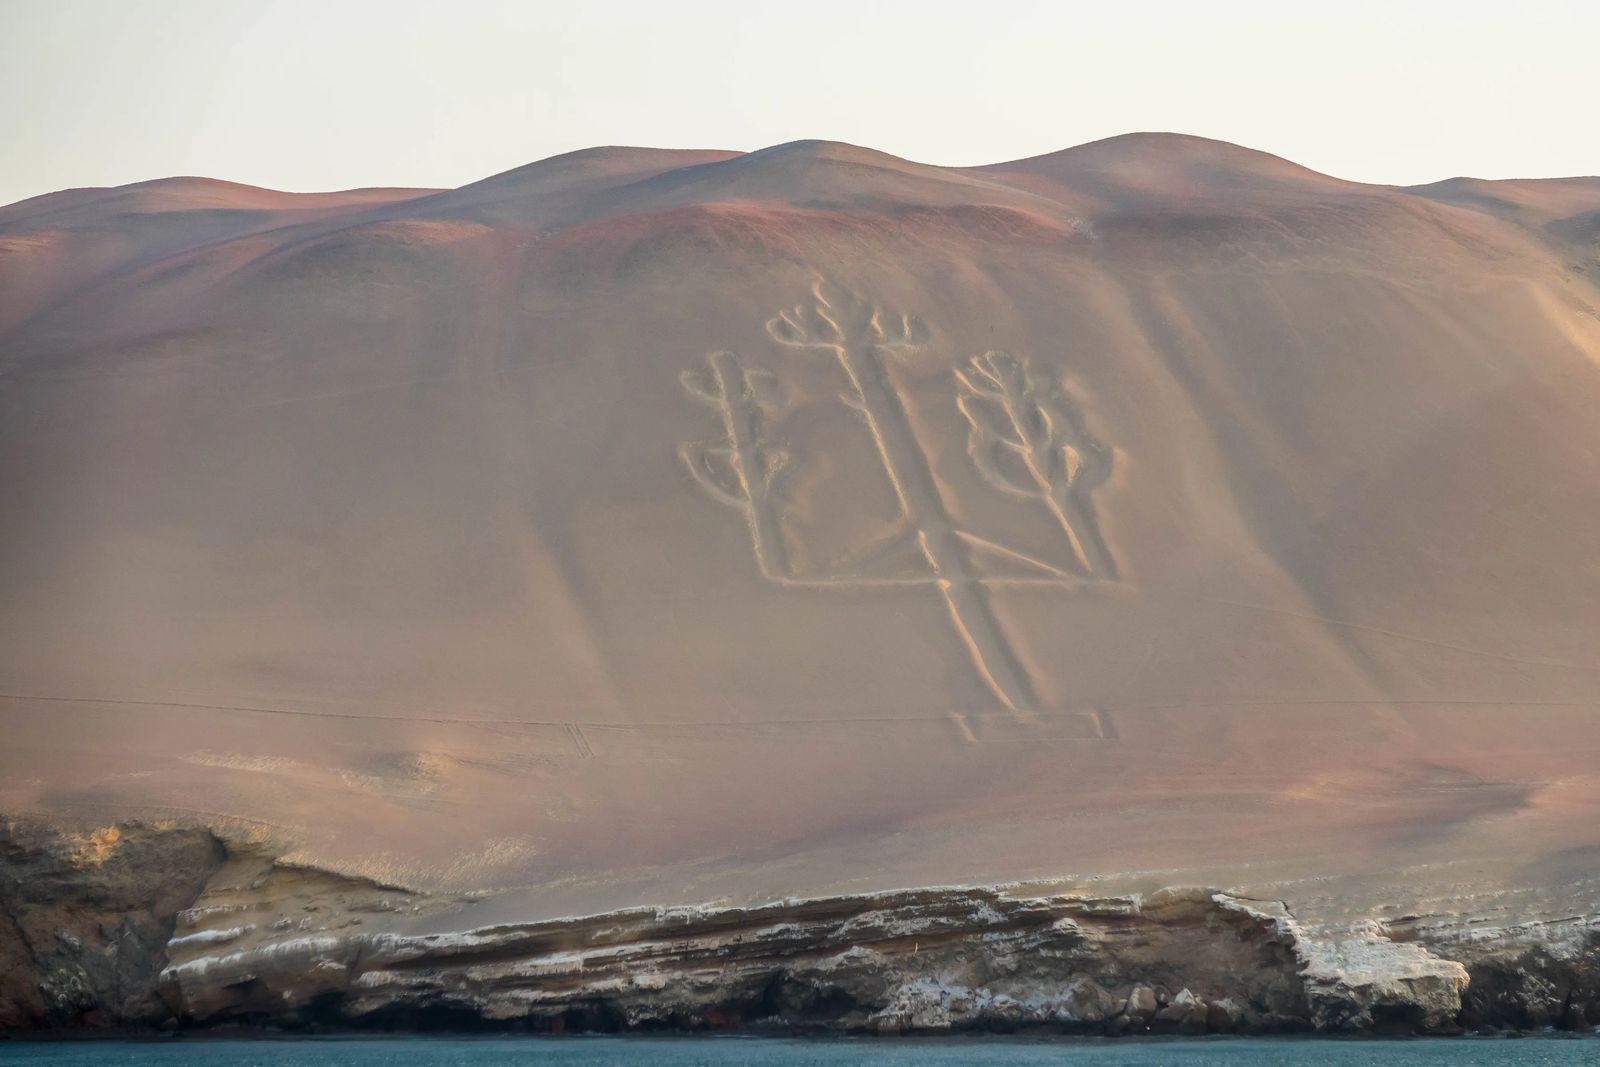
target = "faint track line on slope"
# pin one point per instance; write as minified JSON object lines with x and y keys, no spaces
{"x":943,"y":718}
{"x":1368,"y":628}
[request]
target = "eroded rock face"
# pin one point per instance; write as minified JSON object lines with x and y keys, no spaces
{"x":1367,"y":982}
{"x":267,"y":945}
{"x":129,"y":925}
{"x":920,"y":961}
{"x":85,"y":920}
{"x":1531,"y":976}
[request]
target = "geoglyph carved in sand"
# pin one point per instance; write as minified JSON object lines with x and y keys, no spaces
{"x":1026,"y":439}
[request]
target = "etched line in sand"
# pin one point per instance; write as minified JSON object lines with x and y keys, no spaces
{"x":740,"y":469}
{"x":1418,"y":638}
{"x":580,"y":742}
{"x":1009,"y":411}
{"x":1106,"y":725}
{"x":860,"y":335}
{"x":998,"y":729}
{"x":1017,"y":418}
{"x":809,"y":721}
{"x":963,"y":728}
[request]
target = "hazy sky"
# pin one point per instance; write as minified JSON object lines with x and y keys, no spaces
{"x":321,"y":94}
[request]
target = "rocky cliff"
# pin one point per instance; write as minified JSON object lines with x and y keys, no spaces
{"x":85,"y":920}
{"x":140,"y":926}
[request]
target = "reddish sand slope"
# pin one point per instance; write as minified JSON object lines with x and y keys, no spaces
{"x":644,"y":525}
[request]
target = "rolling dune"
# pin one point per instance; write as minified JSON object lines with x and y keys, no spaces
{"x":644,"y":527}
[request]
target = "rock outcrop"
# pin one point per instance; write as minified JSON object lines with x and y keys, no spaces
{"x":1180,"y":960}
{"x":133,"y":926}
{"x":85,"y":920}
{"x":1528,"y":976}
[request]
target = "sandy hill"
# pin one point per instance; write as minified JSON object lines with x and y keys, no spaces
{"x":640,"y":526}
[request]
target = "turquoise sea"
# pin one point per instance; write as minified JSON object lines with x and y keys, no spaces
{"x":785,"y":1052}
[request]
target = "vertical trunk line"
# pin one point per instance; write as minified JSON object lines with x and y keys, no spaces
{"x":912,"y":480}
{"x":739,"y":416}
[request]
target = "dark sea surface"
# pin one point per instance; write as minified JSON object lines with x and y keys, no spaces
{"x":785,"y":1052}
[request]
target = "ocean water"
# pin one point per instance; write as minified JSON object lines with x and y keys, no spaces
{"x":785,"y":1052}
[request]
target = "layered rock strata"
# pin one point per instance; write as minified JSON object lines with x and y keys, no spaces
{"x":139,"y":926}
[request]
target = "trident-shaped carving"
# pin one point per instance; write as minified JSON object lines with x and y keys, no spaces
{"x":860,"y":335}
{"x":1007,"y":410}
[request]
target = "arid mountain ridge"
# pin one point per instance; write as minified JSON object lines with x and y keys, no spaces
{"x":642,"y":528}
{"x":1129,"y":172}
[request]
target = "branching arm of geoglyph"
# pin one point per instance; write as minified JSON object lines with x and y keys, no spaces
{"x":739,"y":470}
{"x":1028,"y":439}
{"x":836,"y":317}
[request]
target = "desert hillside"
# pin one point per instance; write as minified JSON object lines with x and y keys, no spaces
{"x":646,"y":526}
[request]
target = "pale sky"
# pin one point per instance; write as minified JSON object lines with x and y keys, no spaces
{"x":323,"y":94}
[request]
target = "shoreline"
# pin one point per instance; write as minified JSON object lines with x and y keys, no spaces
{"x":174,"y":931}
{"x":758,"y":1035}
